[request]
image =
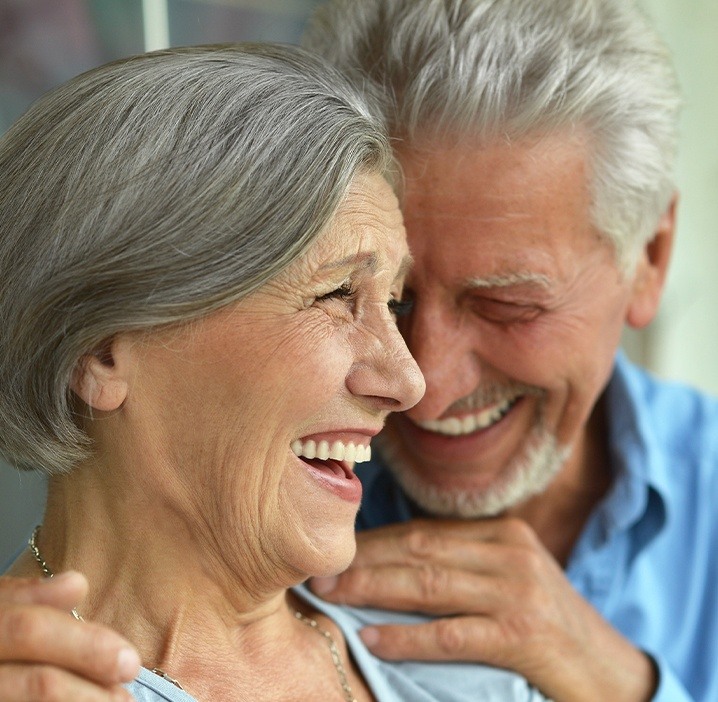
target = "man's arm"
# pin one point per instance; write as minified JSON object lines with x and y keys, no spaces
{"x":47,"y":655}
{"x":501,"y":599}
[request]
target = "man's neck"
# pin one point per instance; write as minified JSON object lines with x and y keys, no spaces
{"x":559,"y":514}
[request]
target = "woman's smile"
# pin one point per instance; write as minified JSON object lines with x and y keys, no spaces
{"x":329,"y":457}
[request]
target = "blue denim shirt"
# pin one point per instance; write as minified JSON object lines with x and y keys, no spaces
{"x":647,"y":558}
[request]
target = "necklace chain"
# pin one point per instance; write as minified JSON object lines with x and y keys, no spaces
{"x":312,"y":623}
{"x":45,"y":568}
{"x":336,"y":656}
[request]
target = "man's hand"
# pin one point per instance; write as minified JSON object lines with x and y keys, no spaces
{"x":47,"y":656}
{"x":501,"y":599}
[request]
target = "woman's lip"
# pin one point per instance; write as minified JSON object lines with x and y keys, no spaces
{"x":336,"y":451}
{"x":348,"y":487}
{"x":350,"y":445}
{"x":356,"y":436}
{"x":342,"y":465}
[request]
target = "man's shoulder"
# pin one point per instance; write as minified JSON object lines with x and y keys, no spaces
{"x":664,"y":433}
{"x":675,"y":414}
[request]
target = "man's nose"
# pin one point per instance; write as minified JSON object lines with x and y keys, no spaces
{"x":443,"y":344}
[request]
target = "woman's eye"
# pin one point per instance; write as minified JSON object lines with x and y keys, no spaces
{"x":343,"y":292}
{"x":401,"y":308}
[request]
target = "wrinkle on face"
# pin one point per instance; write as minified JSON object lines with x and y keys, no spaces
{"x":222,"y":398}
{"x":513,"y":284}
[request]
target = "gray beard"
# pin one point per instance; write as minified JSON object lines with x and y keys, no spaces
{"x":528,"y":474}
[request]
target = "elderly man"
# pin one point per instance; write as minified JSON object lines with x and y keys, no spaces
{"x":576,"y":495}
{"x":537,"y":140}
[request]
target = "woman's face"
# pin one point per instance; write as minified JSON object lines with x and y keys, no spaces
{"x":312,"y":356}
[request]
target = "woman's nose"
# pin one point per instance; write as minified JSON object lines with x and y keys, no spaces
{"x":385,"y":371}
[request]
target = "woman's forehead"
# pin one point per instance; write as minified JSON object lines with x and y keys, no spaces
{"x":368,"y":221}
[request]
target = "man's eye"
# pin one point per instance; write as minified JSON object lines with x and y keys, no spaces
{"x":502,"y":312}
{"x":343,"y":292}
{"x":401,"y":308}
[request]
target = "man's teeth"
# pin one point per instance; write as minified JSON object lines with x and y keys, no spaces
{"x":337,"y":451}
{"x":470,"y":423}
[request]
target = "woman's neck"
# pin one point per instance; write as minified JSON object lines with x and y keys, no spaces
{"x":221,"y":633}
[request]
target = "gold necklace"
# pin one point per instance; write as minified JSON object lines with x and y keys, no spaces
{"x":336,"y":656}
{"x":333,"y":649}
{"x":49,"y":574}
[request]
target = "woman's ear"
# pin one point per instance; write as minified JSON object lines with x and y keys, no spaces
{"x":101,"y":378}
{"x":650,"y":274}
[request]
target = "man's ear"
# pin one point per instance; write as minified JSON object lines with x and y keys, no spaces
{"x":650,"y":273}
{"x":101,"y":378}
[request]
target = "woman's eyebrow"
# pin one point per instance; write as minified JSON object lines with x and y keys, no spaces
{"x":360,"y":261}
{"x":368,"y":261}
{"x":405,"y":266}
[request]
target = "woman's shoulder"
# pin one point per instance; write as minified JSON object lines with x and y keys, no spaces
{"x":148,"y":687}
{"x":418,"y":681}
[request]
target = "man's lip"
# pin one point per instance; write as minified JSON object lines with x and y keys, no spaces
{"x":470,"y":421}
{"x":447,"y":449}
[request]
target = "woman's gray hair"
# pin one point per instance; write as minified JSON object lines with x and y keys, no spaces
{"x":485,"y":69}
{"x":152,"y":191}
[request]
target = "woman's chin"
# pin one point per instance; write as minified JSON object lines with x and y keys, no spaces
{"x":335,"y":556}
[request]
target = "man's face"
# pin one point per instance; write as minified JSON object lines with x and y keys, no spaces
{"x":519,"y":307}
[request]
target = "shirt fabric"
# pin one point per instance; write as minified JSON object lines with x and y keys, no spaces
{"x":647,"y":558}
{"x":407,"y":681}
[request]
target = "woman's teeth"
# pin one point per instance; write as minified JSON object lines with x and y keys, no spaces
{"x":337,"y":451}
{"x":453,"y":426}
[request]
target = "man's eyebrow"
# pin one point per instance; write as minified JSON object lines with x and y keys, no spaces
{"x":504,"y":281}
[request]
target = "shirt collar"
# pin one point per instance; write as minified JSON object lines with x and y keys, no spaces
{"x":641,"y":473}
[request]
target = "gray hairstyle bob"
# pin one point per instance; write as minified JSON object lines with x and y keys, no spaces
{"x":485,"y":69}
{"x":152,"y":191}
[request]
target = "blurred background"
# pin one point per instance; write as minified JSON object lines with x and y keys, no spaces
{"x":45,"y":42}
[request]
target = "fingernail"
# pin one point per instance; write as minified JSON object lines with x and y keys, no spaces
{"x":62,"y":577}
{"x":323,"y":586}
{"x":370,"y":636}
{"x":128,"y":663}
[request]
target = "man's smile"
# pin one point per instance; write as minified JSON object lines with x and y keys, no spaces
{"x":458,"y":426}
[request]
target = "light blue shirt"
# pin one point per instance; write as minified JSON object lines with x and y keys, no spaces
{"x":407,"y":681}
{"x":647,"y":558}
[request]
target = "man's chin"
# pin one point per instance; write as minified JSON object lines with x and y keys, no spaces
{"x":529,"y":475}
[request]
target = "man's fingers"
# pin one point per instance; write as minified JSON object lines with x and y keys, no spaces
{"x":474,"y":639}
{"x":428,"y":588}
{"x":35,"y":628}
{"x":417,"y":547}
{"x":456,"y":543}
{"x":64,"y":591}
{"x":37,"y":683}
{"x":41,"y":634}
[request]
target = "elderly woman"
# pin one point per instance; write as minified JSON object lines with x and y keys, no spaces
{"x":201,"y":260}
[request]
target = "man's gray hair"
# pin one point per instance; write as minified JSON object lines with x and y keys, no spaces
{"x":483,"y":69}
{"x":152,"y":191}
